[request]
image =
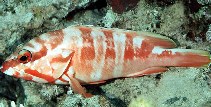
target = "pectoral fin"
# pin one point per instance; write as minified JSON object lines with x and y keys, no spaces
{"x":76,"y":86}
{"x":62,"y":62}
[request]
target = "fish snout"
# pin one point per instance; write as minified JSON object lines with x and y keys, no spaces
{"x":4,"y":67}
{"x":8,"y":67}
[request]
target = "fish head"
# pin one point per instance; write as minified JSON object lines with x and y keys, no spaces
{"x":38,"y":62}
{"x":15,"y":64}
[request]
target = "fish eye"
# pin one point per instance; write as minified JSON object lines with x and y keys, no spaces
{"x":24,"y":56}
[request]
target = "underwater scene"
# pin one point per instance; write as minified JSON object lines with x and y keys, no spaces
{"x":105,"y":53}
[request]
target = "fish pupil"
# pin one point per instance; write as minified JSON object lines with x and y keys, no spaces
{"x":23,"y":58}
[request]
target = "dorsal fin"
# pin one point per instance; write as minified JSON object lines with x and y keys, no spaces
{"x":158,"y":40}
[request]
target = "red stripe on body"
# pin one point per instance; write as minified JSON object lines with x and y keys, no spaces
{"x":56,"y":38}
{"x":145,"y":50}
{"x":87,"y":52}
{"x":42,"y":52}
{"x":40,"y":75}
{"x":110,"y":52}
{"x":82,"y":68}
{"x":84,"y":56}
{"x":110,"y":55}
{"x":129,"y":50}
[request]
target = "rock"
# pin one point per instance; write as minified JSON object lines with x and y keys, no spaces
{"x":208,"y":34}
{"x":184,"y":88}
{"x":18,"y":18}
{"x":120,"y":6}
{"x":204,"y":2}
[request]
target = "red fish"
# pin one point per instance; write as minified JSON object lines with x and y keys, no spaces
{"x":80,"y":55}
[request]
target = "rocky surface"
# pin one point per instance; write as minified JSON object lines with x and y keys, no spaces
{"x":190,"y":26}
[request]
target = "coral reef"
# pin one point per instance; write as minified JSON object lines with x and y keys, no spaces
{"x":204,"y":2}
{"x":179,"y":89}
{"x":187,"y":22}
{"x":21,"y":17}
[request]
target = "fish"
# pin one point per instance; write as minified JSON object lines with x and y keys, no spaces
{"x":83,"y":55}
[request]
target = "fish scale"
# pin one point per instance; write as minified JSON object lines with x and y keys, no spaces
{"x":79,"y":55}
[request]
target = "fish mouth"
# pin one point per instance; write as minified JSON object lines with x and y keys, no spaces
{"x":9,"y":68}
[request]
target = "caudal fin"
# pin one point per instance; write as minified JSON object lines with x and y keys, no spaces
{"x":165,"y":56}
{"x":185,"y":57}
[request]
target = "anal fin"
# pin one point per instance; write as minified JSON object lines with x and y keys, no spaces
{"x":97,"y":82}
{"x":148,"y":71}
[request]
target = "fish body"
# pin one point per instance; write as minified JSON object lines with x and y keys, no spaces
{"x":80,"y":55}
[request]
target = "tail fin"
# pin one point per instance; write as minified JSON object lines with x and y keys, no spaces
{"x":186,"y":57}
